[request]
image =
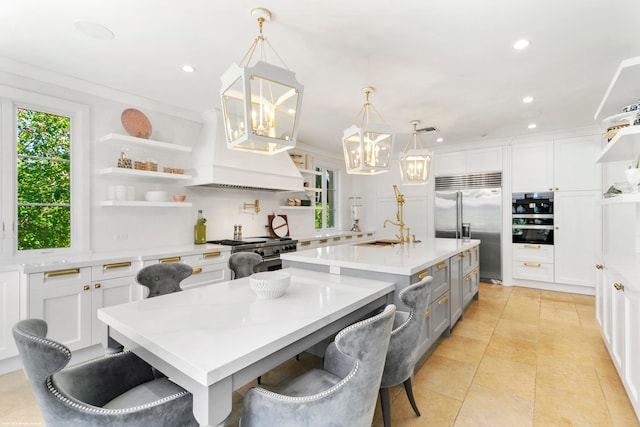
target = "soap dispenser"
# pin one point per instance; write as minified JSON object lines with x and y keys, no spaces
{"x":200,"y":230}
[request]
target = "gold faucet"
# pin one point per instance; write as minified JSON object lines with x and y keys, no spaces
{"x":399,"y":217}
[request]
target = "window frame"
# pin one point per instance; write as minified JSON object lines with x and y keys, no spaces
{"x":10,"y":100}
{"x":322,"y":169}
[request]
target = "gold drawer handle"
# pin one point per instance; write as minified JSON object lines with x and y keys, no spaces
{"x":116,"y":265}
{"x":531,"y":264}
{"x":467,"y":277}
{"x":196,"y":270}
{"x":467,"y":252}
{"x":348,"y":237}
{"x":462,"y":255}
{"x":441,"y":265}
{"x":305,"y":243}
{"x":323,"y":241}
{"x":369,"y":234}
{"x":599,"y":266}
{"x":97,"y":286}
{"x":211,"y":254}
{"x":86,"y":287}
{"x":172,"y":259}
{"x":443,"y":300}
{"x":335,"y":239}
{"x":62,"y":272}
{"x":532,"y":246}
{"x":474,"y":272}
{"x":360,"y":235}
{"x":427,"y":313}
{"x":618,"y":286}
{"x":423,"y":274}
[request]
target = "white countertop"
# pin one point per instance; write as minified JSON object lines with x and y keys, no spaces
{"x":329,"y":234}
{"x":406,"y":259}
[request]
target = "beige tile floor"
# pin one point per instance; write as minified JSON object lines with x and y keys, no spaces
{"x":520,"y":357}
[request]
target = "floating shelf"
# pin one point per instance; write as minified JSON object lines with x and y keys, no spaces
{"x":298,"y":208}
{"x":147,"y":143}
{"x":617,"y":150}
{"x":309,"y":171}
{"x":624,"y":88}
{"x":621,"y":198}
{"x":145,"y":204}
{"x":148,"y":175}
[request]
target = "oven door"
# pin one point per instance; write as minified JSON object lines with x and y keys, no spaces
{"x":269,"y":264}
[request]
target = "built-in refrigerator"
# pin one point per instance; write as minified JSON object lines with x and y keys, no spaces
{"x":475,"y":199}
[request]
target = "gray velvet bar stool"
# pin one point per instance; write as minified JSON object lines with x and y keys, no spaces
{"x":402,"y":353}
{"x":244,"y":264}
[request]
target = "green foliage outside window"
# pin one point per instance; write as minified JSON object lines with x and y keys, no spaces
{"x":325,"y":200}
{"x":44,"y":180}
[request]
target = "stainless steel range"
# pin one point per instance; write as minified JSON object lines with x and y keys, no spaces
{"x":269,"y":248}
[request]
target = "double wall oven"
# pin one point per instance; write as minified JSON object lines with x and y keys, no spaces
{"x":532,"y":218}
{"x":269,"y":248}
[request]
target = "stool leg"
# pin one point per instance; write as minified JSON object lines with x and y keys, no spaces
{"x":409,"y":389}
{"x":260,"y":379}
{"x":385,"y":406}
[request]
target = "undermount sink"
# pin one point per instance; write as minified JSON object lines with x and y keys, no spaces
{"x":381,"y":242}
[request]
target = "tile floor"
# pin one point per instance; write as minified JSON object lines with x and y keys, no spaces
{"x":520,"y":357}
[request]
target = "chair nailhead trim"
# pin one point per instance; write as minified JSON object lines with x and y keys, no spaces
{"x":45,"y":341}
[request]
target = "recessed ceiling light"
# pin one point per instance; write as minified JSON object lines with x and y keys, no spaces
{"x":94,"y":30}
{"x":521,"y":44}
{"x":439,"y":140}
{"x":188,"y":68}
{"x":527,"y":99}
{"x":532,"y":126}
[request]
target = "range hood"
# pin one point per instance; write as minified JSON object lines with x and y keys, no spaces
{"x":218,"y":166}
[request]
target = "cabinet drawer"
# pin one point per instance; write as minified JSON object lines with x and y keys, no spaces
{"x":530,"y":270}
{"x":533,"y":253}
{"x":207,"y":258}
{"x":440,"y":283}
{"x":59,"y":277}
{"x":439,"y":315}
{"x":206,"y":275}
{"x":113,"y":270}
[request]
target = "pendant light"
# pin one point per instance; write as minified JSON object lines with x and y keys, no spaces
{"x":367,"y":145}
{"x":260,"y":102}
{"x":415,"y":163}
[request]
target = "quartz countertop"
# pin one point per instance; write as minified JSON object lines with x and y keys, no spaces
{"x":329,"y":234}
{"x":405,"y":259}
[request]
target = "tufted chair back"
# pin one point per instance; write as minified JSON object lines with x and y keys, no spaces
{"x":244,"y":264}
{"x":163,"y":278}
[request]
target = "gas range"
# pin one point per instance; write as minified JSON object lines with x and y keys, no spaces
{"x":266,"y":246}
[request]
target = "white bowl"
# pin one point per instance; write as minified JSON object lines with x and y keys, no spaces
{"x":269,"y":284}
{"x":156,"y":196}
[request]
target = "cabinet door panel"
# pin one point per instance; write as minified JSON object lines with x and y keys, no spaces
{"x":532,"y":165}
{"x":632,"y":344}
{"x":574,"y":163}
{"x":9,"y":307}
{"x":107,"y":293}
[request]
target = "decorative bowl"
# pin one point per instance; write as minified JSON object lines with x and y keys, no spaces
{"x":179,"y":198}
{"x":269,"y":284}
{"x":156,"y":196}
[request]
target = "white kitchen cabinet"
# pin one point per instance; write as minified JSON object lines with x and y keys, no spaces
{"x":577,"y":236}
{"x":10,"y":309}
{"x":560,"y":165}
{"x":467,"y":161}
{"x":533,"y":262}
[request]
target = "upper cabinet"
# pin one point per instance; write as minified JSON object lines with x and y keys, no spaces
{"x":560,"y":165}
{"x":468,"y":161}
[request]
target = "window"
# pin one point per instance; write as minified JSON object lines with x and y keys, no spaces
{"x":44,"y":174}
{"x":326,"y":198}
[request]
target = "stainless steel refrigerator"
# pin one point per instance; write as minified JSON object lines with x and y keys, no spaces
{"x":475,"y":199}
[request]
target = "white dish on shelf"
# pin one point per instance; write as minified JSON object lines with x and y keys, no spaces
{"x":269,"y":284}
{"x":156,"y":196}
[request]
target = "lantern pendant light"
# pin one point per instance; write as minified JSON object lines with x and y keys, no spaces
{"x":260,"y":102}
{"x":415,"y":163}
{"x":367,"y":145}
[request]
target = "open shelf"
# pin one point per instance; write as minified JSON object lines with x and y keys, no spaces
{"x":148,"y":175}
{"x":298,"y":208}
{"x":617,"y":149}
{"x":142,"y":203}
{"x":624,"y":88}
{"x":621,"y":198}
{"x":147,"y":143}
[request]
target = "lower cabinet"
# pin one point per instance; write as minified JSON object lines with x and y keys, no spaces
{"x":456,"y":284}
{"x":533,"y":262}
{"x":439,"y":310}
{"x":10,"y":309}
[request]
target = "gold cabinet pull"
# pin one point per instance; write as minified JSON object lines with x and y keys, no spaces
{"x":335,"y":239}
{"x":348,"y":237}
{"x":171,"y":259}
{"x":369,"y":234}
{"x":427,"y":313}
{"x":196,"y":270}
{"x":467,"y":277}
{"x":62,"y":272}
{"x":423,"y":274}
{"x":305,"y":243}
{"x":97,"y":286}
{"x":441,"y":265}
{"x":360,"y":235}
{"x":474,"y":272}
{"x":116,"y":265}
{"x":323,"y":240}
{"x":467,"y":252}
{"x":618,"y":286}
{"x":461,"y":254}
{"x":443,"y":300}
{"x":532,"y":246}
{"x":531,"y":264}
{"x":211,"y":254}
{"x":86,"y":287}
{"x":599,"y":266}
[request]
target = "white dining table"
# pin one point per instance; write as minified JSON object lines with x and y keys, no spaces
{"x":213,"y":339}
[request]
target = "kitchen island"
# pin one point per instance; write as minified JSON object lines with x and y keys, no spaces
{"x":453,"y":264}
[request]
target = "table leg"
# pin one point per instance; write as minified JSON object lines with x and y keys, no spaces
{"x":212,"y":405}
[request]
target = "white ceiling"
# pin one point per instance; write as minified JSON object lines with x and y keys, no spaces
{"x":449,"y":63}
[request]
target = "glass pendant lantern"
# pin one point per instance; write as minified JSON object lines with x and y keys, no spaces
{"x":260,"y":102}
{"x":367,"y":145}
{"x":415,"y":163}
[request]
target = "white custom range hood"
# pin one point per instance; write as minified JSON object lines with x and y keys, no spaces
{"x":218,"y":166}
